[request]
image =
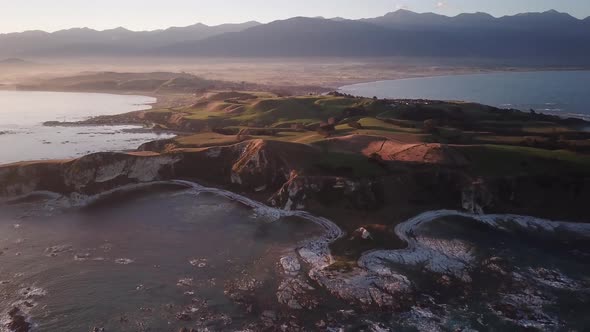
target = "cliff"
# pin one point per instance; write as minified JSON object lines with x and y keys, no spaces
{"x":295,"y":176}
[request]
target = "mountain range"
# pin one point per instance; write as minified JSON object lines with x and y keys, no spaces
{"x":119,"y":41}
{"x":552,"y":36}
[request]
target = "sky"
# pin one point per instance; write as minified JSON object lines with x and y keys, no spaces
{"x":21,"y":15}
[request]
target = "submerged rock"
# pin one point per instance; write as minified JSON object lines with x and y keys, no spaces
{"x":362,"y":233}
{"x":199,"y":262}
{"x":183,"y":316}
{"x":526,"y":310}
{"x":422,"y":319}
{"x":32,"y":292}
{"x":365,"y":288}
{"x":17,"y":322}
{"x":290,"y":265}
{"x":294,"y":293}
{"x":124,"y":261}
{"x":553,"y":278}
{"x":82,"y":257}
{"x":56,"y":250}
{"x":185,"y":282}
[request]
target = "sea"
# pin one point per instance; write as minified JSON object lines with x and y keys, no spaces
{"x":24,"y":137}
{"x":564,"y":93}
{"x":171,"y":256}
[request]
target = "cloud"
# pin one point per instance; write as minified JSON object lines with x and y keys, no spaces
{"x":441,"y":4}
{"x":402,"y":6}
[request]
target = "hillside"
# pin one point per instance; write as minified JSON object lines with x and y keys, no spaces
{"x":387,"y":157}
{"x":388,"y":130}
{"x":154,"y":83}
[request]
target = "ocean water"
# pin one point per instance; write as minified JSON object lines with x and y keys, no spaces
{"x":565,"y":93}
{"x":23,"y":136}
{"x":157,"y":258}
{"x":169,"y":255}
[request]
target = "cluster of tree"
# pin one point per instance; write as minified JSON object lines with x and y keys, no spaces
{"x":327,"y":128}
{"x":340,"y":94}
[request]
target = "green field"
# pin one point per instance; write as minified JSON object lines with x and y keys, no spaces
{"x":494,"y":141}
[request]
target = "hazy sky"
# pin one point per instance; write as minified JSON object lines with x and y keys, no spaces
{"x":20,"y":15}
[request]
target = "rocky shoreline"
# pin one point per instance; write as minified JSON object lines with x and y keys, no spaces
{"x":279,"y":174}
{"x":374,"y":282}
{"x":283,"y":175}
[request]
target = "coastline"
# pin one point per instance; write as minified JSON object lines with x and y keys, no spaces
{"x":373,"y":266}
{"x":352,"y":270}
{"x":469,"y":73}
{"x":522,"y":103}
{"x":334,"y":77}
{"x":166,"y":122}
{"x":96,"y":92}
{"x":34,"y":134}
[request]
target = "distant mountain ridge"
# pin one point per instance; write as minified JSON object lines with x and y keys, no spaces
{"x":16,"y":63}
{"x":556,"y":37}
{"x":408,"y":17}
{"x":118,"y":41}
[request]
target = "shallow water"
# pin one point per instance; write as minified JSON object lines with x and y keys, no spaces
{"x":23,"y":137}
{"x":565,"y":93}
{"x":492,"y":273}
{"x":137,"y":260}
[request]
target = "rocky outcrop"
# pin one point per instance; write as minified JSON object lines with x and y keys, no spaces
{"x":300,"y":191}
{"x":17,"y":321}
{"x":99,"y":172}
{"x":24,"y":178}
{"x":553,"y":196}
{"x":160,"y":146}
{"x":253,"y":165}
{"x":258,"y":166}
{"x":475,"y":197}
{"x":91,"y":174}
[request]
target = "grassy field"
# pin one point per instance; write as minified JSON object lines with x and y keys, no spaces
{"x":501,"y":160}
{"x":494,"y":141}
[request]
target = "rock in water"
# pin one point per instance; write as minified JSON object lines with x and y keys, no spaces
{"x":18,"y":322}
{"x":290,"y":265}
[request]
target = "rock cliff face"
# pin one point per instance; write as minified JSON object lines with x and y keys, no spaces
{"x":555,"y":196}
{"x":284,"y":174}
{"x":299,"y":190}
{"x":91,"y":174}
{"x":251,"y":166}
{"x":254,"y":165}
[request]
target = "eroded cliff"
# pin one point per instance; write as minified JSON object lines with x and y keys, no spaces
{"x":294,"y":176}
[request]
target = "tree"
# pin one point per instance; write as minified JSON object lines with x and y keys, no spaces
{"x":430,"y":126}
{"x":326,"y":129}
{"x":355,"y":124}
